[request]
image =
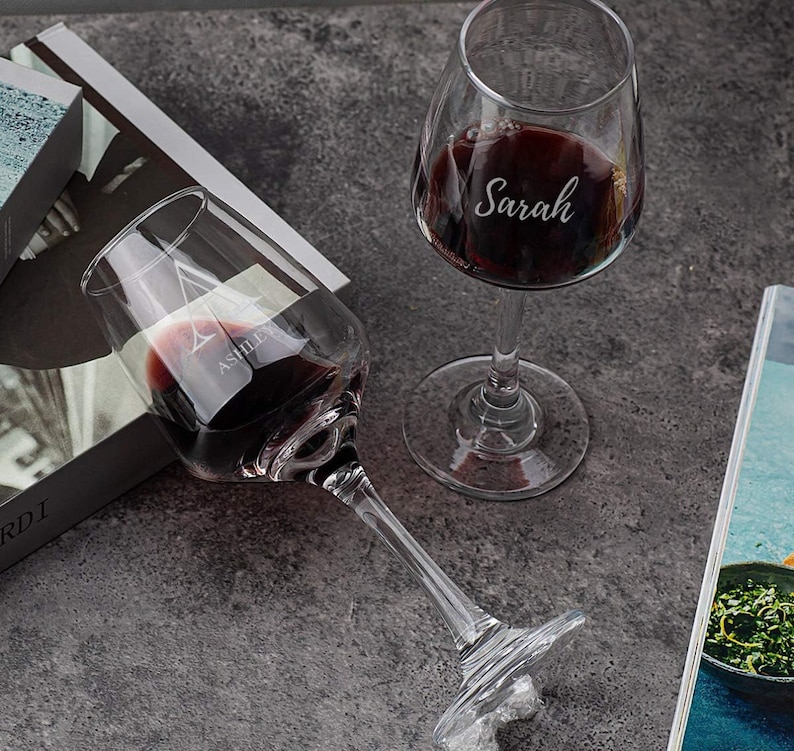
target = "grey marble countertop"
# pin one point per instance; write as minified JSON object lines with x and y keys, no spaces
{"x":193,"y":616}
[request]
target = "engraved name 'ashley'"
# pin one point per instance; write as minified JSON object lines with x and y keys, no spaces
{"x":246,"y":348}
{"x":511,"y":207}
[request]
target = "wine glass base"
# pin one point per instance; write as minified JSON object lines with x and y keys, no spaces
{"x":523,"y":458}
{"x":499,"y":682}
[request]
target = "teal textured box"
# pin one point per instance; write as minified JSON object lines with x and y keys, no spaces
{"x":41,"y":126}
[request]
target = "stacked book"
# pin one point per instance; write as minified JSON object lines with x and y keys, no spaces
{"x":73,"y":435}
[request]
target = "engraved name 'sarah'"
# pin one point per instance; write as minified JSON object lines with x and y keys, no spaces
{"x":511,"y":207}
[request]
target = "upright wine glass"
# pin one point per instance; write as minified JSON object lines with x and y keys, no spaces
{"x":528,"y":175}
{"x":255,"y":372}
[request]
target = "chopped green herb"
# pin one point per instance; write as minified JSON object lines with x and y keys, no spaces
{"x":751,"y":627}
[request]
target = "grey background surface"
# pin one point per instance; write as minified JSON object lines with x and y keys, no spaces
{"x":38,"y":7}
{"x":194,"y":616}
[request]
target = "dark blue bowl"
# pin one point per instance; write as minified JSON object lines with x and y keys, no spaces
{"x":774,"y":688}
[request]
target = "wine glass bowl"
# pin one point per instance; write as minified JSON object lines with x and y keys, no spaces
{"x":528,"y":176}
{"x":255,"y":372}
{"x":239,"y":354}
{"x":546,"y":57}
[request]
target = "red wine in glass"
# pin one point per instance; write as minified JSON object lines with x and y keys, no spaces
{"x":228,"y":392}
{"x":523,"y":206}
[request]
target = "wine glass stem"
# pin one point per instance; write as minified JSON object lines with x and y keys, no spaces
{"x":465,"y":620}
{"x":501,"y":387}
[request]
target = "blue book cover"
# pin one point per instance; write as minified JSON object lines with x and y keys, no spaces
{"x":27,"y":120}
{"x":40,"y":147}
{"x":737,"y":691}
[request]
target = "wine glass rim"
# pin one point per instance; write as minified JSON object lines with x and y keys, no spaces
{"x":505,"y":102}
{"x":195,"y":190}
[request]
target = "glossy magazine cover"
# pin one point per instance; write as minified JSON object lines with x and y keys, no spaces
{"x":738,"y":687}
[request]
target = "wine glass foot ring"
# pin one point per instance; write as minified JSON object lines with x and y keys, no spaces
{"x":495,"y":451}
{"x":498,"y":685}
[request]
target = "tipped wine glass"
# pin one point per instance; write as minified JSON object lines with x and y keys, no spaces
{"x":528,"y":176}
{"x":255,"y":372}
